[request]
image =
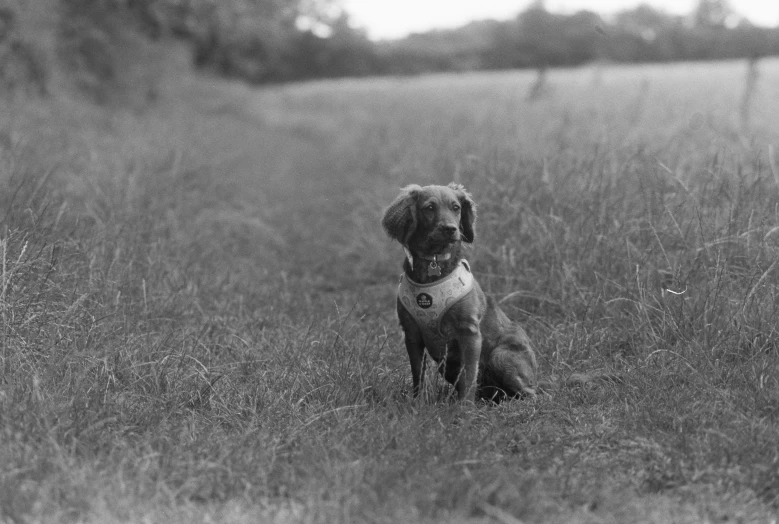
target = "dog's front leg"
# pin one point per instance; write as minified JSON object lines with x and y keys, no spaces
{"x":415,"y":346}
{"x":416,"y":357}
{"x":469,"y":340}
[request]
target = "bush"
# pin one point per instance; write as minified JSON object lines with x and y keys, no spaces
{"x":22,"y":66}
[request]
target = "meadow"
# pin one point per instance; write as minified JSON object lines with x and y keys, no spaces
{"x":197,"y":312}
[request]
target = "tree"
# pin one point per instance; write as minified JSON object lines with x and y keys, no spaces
{"x":712,"y":13}
{"x":644,"y":17}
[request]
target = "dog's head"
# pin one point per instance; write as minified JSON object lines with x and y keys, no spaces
{"x":430,"y":219}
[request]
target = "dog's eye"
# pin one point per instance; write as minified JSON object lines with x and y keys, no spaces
{"x":456,"y":207}
{"x":430,"y":207}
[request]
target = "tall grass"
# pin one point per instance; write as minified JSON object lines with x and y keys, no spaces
{"x":198,"y":304}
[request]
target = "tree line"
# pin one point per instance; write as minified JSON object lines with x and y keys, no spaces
{"x":280,"y":49}
{"x":265,"y":41}
{"x":538,"y":38}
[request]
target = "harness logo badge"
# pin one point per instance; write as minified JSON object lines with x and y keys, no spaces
{"x":424,"y":300}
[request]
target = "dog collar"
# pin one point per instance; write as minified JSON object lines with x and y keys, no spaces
{"x":434,"y":259}
{"x":428,"y":303}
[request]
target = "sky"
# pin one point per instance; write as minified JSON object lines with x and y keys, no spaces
{"x":397,"y":18}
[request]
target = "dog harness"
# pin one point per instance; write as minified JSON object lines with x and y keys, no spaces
{"x":428,"y":303}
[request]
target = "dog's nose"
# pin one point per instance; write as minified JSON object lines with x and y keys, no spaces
{"x":450,"y":230}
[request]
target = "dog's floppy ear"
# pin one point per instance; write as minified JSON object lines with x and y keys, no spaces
{"x":468,"y":213}
{"x":400,"y":218}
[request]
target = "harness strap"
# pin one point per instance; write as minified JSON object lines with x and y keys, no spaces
{"x":428,"y":303}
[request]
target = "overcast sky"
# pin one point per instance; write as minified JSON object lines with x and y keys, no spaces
{"x":397,"y":18}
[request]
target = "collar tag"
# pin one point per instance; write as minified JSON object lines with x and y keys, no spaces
{"x":434,"y":270}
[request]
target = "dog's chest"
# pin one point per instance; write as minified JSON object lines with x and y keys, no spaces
{"x":428,"y":303}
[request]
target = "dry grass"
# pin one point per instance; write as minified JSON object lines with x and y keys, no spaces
{"x":197,"y":303}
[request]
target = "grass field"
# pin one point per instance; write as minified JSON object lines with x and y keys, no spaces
{"x":197,"y":301}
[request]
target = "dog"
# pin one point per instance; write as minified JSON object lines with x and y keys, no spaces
{"x":442,"y":308}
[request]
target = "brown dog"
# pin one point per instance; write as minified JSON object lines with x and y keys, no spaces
{"x":441,"y":306}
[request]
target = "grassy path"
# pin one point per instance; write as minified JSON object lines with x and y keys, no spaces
{"x":197,"y":304}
